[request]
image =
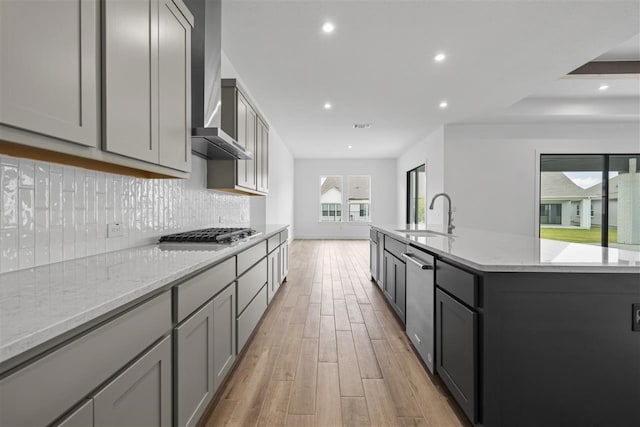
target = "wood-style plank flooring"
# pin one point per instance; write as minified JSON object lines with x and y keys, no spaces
{"x":330,"y":352}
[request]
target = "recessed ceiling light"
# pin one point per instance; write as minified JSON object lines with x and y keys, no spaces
{"x":349,"y":146}
{"x":440,"y":57}
{"x":328,"y":27}
{"x":362,"y":125}
{"x":603,"y":87}
{"x":444,"y":104}
{"x":327,"y":106}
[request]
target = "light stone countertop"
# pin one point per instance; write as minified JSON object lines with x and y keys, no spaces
{"x":42,"y":303}
{"x":488,"y":251}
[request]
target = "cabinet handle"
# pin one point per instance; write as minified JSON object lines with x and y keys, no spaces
{"x":417,"y":261}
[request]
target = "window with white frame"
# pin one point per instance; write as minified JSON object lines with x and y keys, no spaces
{"x":330,"y":198}
{"x":356,"y":198}
{"x":359,"y":198}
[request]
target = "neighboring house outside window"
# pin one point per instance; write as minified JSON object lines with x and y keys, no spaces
{"x":330,"y":198}
{"x":356,"y":199}
{"x":575,"y":213}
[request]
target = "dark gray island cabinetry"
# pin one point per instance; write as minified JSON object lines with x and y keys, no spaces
{"x":559,"y":350}
{"x":532,"y":332}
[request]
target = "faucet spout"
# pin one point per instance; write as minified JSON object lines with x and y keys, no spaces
{"x":450,"y":225}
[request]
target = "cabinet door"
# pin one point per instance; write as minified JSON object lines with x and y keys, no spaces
{"x":130,"y":78}
{"x":456,"y":328}
{"x":81,"y":417}
{"x":224,"y":334}
{"x":247,"y":131}
{"x":284,"y":261}
{"x":381,"y":271}
{"x":389,"y":276}
{"x":262,"y":157}
{"x":48,"y":59}
{"x":141,"y":395}
{"x":373,"y":260}
{"x":273,"y":279}
{"x":400,"y":300}
{"x":194,"y":366}
{"x":174,"y":84}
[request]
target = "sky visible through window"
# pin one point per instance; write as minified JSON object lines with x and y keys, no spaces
{"x":587,"y":179}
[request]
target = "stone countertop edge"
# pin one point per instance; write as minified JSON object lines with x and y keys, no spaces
{"x":17,"y":339}
{"x":522,"y":265}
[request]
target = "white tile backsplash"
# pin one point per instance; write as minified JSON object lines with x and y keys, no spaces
{"x":50,"y":213}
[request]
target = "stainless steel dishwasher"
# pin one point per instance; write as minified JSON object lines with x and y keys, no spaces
{"x":420,"y":303}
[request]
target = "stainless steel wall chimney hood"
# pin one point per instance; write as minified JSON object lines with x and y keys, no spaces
{"x":214,"y":143}
{"x":208,"y":139}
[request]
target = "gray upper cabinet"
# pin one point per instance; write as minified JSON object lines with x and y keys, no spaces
{"x":174,"y":83}
{"x":242,"y":121}
{"x":141,"y":395}
{"x":262,"y":156}
{"x":146,"y":105}
{"x":48,"y":57}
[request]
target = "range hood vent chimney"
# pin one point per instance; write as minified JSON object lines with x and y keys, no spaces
{"x":208,"y":139}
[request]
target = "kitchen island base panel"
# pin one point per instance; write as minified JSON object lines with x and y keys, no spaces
{"x":559,"y":350}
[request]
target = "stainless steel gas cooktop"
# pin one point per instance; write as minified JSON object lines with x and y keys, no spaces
{"x":210,"y":235}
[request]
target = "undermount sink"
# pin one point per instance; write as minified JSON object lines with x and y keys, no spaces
{"x":426,"y":232}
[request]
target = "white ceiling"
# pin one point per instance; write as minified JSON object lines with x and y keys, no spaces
{"x":377,"y":67}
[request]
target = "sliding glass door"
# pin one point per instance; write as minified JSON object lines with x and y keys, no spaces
{"x":592,"y":199}
{"x":417,"y":195}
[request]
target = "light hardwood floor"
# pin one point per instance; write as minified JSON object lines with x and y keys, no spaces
{"x":330,"y":352}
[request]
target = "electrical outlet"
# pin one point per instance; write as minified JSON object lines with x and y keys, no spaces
{"x":635,"y":323}
{"x":115,"y":229}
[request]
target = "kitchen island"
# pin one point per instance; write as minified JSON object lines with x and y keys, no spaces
{"x":529,"y":332}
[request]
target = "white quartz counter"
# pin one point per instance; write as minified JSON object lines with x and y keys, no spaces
{"x":498,"y":252}
{"x":42,"y":303}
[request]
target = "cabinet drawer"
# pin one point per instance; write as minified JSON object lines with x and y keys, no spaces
{"x":59,"y":380}
{"x":250,"y":283}
{"x":191,"y":294}
{"x":457,"y":282}
{"x":252,"y":255}
{"x":273,"y":243}
{"x":284,"y":235}
{"x":250,"y":318}
{"x":394,"y":246}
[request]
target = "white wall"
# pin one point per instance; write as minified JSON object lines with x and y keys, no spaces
{"x":277,"y":206}
{"x":429,"y":151}
{"x":279,"y":202}
{"x":491,"y":171}
{"x":307,"y":196}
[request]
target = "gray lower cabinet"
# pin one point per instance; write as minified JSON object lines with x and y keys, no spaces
{"x":194,"y":366}
{"x":224,"y":334}
{"x":81,"y":417}
{"x":250,"y":317}
{"x":61,"y":379}
{"x":48,"y":59}
{"x":380,"y":260}
{"x":284,"y":260}
{"x":273,"y":279}
{"x":141,"y":395}
{"x":394,"y":285}
{"x":456,"y":350}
